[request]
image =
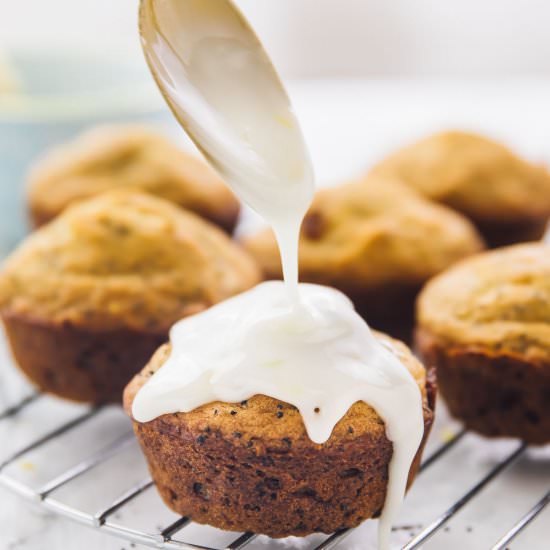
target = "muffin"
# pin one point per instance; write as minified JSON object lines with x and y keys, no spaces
{"x":485,"y":325}
{"x":250,"y":466}
{"x":506,"y":197}
{"x":127,"y":157}
{"x":377,"y":242}
{"x":87,"y":299}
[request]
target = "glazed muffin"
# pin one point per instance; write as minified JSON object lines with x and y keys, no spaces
{"x":251,"y":466}
{"x":88,"y":298}
{"x":127,"y":157}
{"x":485,"y":325}
{"x":377,"y":242}
{"x":506,"y":197}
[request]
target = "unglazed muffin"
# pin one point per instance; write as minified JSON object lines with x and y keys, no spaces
{"x":88,"y":298}
{"x":506,"y":197}
{"x":127,"y":157}
{"x":377,"y":242}
{"x":485,"y":325}
{"x":251,"y":466}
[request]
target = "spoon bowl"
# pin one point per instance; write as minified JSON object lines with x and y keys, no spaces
{"x":223,"y":89}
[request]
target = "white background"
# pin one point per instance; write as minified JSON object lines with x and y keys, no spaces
{"x":328,"y":37}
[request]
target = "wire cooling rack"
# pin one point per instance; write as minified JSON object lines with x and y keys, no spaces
{"x":109,"y":470}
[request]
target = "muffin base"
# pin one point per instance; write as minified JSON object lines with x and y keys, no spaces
{"x":38,"y":216}
{"x":498,"y":234}
{"x":226,"y":218}
{"x":277,"y":487}
{"x":492,"y":393}
{"x":388,"y":308}
{"x":77,"y":364}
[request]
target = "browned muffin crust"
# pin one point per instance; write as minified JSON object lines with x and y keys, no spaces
{"x":376,"y":241}
{"x":127,"y":157}
{"x":506,"y":197}
{"x":498,"y":234}
{"x":250,"y":466}
{"x":485,"y":326}
{"x":494,"y":394}
{"x":88,"y":298}
{"x":76,"y":363}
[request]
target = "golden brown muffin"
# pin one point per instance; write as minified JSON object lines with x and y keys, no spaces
{"x":506,"y":197}
{"x":127,"y":157}
{"x":377,"y":242}
{"x":485,"y":325}
{"x":250,"y":466}
{"x":88,"y":298}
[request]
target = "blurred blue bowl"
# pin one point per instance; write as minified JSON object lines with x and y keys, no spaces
{"x":63,"y":93}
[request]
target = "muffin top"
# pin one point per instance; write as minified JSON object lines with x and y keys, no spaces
{"x":473,"y":174}
{"x":123,"y":260}
{"x":498,"y":300}
{"x":122,"y":157}
{"x":266,"y":418}
{"x":370,"y":233}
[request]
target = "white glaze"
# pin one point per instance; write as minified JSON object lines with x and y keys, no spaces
{"x":312,"y":350}
{"x":322,"y":356}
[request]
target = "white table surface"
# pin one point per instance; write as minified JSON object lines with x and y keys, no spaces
{"x":349,"y":125}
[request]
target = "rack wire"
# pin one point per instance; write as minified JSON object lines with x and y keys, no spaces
{"x":164,"y":538}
